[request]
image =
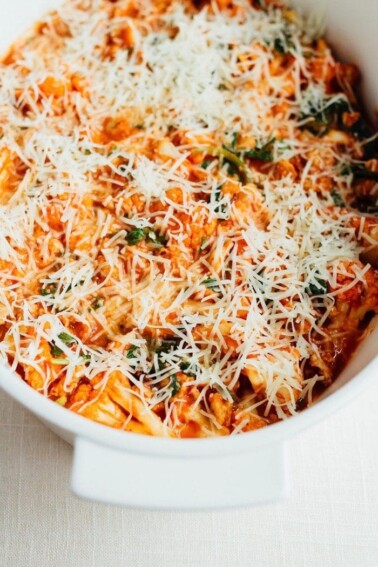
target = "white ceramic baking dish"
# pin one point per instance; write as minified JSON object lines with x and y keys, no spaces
{"x":124,"y":468}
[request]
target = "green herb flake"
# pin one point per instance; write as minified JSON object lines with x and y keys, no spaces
{"x":156,"y":239}
{"x":218,"y":193}
{"x":185,"y":366}
{"x":71,"y":286}
{"x":220,"y":209}
{"x":210,"y":283}
{"x":236,"y":165}
{"x":205,"y":164}
{"x":49,"y":289}
{"x":283,"y":42}
{"x":234,"y":140}
{"x":66,"y":338}
{"x":232,"y":159}
{"x":97,"y":303}
{"x":280,"y":46}
{"x":318,"y":288}
{"x":166,"y":346}
{"x":337,"y":198}
{"x":55,"y":350}
{"x":135,"y":236}
{"x":203,"y":244}
{"x":175,"y":385}
{"x":262,"y":153}
{"x":131,"y":352}
{"x":323,"y":120}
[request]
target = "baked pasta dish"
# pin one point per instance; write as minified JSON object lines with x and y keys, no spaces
{"x":188,"y":199}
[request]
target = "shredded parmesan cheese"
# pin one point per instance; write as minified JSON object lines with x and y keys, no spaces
{"x":179,"y":245}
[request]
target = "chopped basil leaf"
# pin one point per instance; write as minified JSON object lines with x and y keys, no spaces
{"x":323,"y":120}
{"x":210,"y":283}
{"x":337,"y":198}
{"x":156,"y":239}
{"x":234,"y":140}
{"x":175,"y":385}
{"x":283,"y":45}
{"x":81,"y":282}
{"x":55,"y":350}
{"x":166,"y":345}
{"x":131,"y":352}
{"x":203,"y":244}
{"x":332,"y":117}
{"x":152,"y":237}
{"x":135,"y":236}
{"x":66,"y":338}
{"x":235,"y":163}
{"x":97,"y":303}
{"x":218,"y":193}
{"x":318,"y":288}
{"x":49,"y":289}
{"x":221,"y":208}
{"x":205,"y":164}
{"x":263,"y":153}
{"x":185,"y":366}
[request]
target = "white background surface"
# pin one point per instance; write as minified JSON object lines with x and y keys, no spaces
{"x":330,"y":519}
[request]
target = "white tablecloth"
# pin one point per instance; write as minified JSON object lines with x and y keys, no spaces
{"x":330,"y":519}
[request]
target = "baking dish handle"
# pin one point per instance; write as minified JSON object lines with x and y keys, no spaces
{"x":113,"y":476}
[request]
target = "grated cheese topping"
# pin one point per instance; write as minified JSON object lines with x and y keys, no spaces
{"x":181,"y":252}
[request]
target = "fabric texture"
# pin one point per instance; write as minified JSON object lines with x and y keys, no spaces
{"x":329,"y":520}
